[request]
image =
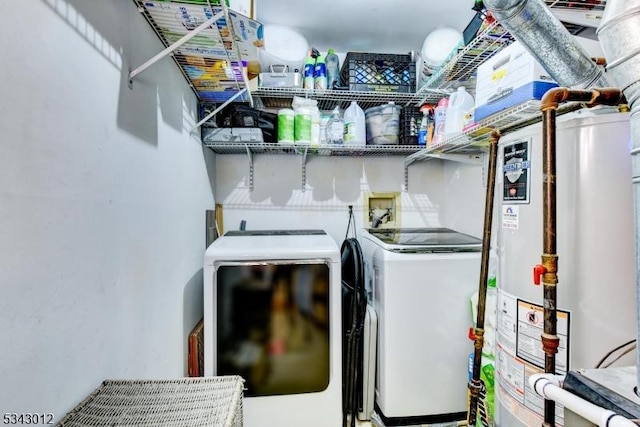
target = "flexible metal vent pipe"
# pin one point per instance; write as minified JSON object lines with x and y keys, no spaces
{"x":532,"y":23}
{"x":619,"y":36}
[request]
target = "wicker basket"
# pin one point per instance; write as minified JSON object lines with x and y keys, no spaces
{"x":185,"y":402}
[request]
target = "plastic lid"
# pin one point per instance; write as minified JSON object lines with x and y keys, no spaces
{"x":331,"y":51}
{"x":444,"y":102}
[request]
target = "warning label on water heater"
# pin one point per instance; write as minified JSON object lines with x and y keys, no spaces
{"x":529,"y":336}
{"x":519,"y":355}
{"x":515,"y":170}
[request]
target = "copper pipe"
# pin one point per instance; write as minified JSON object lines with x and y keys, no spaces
{"x":600,"y":60}
{"x":475,"y":384}
{"x":549,"y":105}
{"x":604,"y":96}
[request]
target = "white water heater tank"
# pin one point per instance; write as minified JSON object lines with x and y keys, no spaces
{"x":595,"y":245}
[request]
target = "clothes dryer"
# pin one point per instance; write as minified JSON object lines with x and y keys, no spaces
{"x":272,"y":314}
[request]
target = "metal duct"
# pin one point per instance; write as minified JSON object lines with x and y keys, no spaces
{"x":532,"y":23}
{"x":619,"y":36}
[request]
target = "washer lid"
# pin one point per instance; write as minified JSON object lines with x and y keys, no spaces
{"x":425,"y":239}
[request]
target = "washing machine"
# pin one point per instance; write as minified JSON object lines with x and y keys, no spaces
{"x":420,"y":281}
{"x":272,"y":314}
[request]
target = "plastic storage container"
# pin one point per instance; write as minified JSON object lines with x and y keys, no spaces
{"x":383,"y":124}
{"x":286,"y":118}
{"x":283,"y":46}
{"x":354,"y":125}
{"x":460,"y":104}
{"x":302,"y":126}
{"x":437,"y":46}
{"x":379,"y":72}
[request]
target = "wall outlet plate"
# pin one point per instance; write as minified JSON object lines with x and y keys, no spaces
{"x":382,"y":210}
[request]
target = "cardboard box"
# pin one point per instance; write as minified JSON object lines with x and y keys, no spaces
{"x":509,"y":78}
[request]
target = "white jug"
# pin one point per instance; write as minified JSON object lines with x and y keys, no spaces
{"x":354,"y":125}
{"x":460,"y":103}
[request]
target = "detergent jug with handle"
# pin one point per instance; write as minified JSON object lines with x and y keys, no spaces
{"x":460,"y":103}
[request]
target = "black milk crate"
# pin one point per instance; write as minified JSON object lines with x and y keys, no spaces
{"x":410,"y":118}
{"x":379,"y":72}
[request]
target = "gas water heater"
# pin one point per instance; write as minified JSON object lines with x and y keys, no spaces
{"x":596,"y":264}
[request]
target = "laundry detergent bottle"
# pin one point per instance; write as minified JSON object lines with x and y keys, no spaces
{"x":354,"y":125}
{"x":460,"y":103}
{"x":439,"y":118}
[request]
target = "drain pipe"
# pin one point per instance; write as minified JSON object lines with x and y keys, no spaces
{"x":475,"y":384}
{"x":549,"y":267}
{"x":543,"y":35}
{"x":619,"y":36}
{"x":550,"y":387}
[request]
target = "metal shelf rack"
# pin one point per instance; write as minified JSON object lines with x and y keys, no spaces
{"x":278,"y":97}
{"x":200,"y":37}
{"x":193,"y":43}
{"x":462,"y":64}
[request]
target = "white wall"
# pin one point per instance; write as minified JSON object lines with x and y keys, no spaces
{"x":102,"y":201}
{"x":441,"y":194}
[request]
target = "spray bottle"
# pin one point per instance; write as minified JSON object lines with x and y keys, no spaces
{"x":423,"y":131}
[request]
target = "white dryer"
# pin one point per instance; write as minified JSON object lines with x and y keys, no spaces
{"x":420,"y":281}
{"x":272,"y":314}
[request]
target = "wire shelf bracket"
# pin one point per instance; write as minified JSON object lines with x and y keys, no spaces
{"x":218,"y":109}
{"x":251,"y":170}
{"x":304,"y":169}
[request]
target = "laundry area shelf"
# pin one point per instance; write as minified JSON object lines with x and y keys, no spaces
{"x":280,"y":97}
{"x":316,"y":150}
{"x":200,"y":35}
{"x":461,"y":66}
{"x":475,"y":140}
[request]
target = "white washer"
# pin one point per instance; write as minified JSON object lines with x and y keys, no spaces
{"x":421,"y":280}
{"x":272,"y":314}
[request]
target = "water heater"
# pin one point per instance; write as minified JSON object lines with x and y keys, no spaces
{"x":595,"y":241}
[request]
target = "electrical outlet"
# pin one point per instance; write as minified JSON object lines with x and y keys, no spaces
{"x":382,"y":210}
